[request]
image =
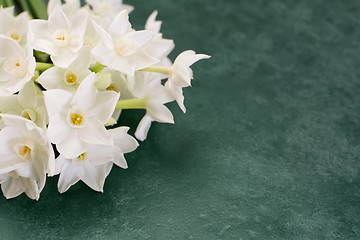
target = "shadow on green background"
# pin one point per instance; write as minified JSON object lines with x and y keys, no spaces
{"x":268,"y":148}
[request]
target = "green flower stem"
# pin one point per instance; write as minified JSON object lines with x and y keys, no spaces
{"x":158,"y":69}
{"x":9,"y":3}
{"x":97,"y":67}
{"x":2,"y":3}
{"x":135,"y":103}
{"x":25,"y":6}
{"x":38,"y":8}
{"x":36,"y":75}
{"x":43,"y":66}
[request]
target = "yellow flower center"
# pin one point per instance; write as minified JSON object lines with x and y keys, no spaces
{"x":76,"y":118}
{"x":71,"y":78}
{"x":25,"y":152}
{"x":14,"y":34}
{"x":61,"y":38}
{"x":111,"y":88}
{"x":82,"y":156}
{"x":27,"y":116}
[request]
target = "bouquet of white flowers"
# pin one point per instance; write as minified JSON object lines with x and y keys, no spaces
{"x":64,"y":82}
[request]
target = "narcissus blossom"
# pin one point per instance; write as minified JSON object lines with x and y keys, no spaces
{"x":152,"y":95}
{"x":59,"y":36}
{"x":26,"y":156}
{"x":17,"y":66}
{"x":79,"y":119}
{"x":122,"y":47}
{"x":27,"y":104}
{"x":180,"y":75}
{"x":68,"y":78}
{"x":14,"y":27}
{"x":93,"y":165}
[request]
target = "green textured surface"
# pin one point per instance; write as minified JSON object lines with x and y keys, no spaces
{"x":269,"y":147}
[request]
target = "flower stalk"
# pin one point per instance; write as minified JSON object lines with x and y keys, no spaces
{"x":43,"y":66}
{"x":97,"y":67}
{"x":135,"y":103}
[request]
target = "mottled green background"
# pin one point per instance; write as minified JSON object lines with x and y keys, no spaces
{"x":268,"y":149}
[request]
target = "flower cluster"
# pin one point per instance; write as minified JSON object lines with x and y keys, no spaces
{"x":63,"y":84}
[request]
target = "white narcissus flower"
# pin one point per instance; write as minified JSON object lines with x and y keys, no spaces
{"x":25,"y":157}
{"x":121,"y":48}
{"x":27,"y":104}
{"x":108,"y":8}
{"x":17,"y":66}
{"x":93,"y":165}
{"x":180,"y":75}
{"x":67,"y":78}
{"x":154,"y":95}
{"x":58,"y":36}
{"x":79,"y":119}
{"x":14,"y":27}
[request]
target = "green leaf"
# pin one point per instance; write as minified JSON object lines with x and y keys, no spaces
{"x":38,"y":8}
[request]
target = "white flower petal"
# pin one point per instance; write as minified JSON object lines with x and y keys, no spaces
{"x":72,"y":147}
{"x":142,"y":60}
{"x":104,"y":55}
{"x":105,"y":37}
{"x":101,"y":154}
{"x":189,"y":57}
{"x":58,"y":20}
{"x":139,"y":38}
{"x":58,"y":130}
{"x":12,"y":188}
{"x":40,"y":37}
{"x":95,"y":133}
{"x":85,"y":95}
{"x":123,"y":140}
{"x":9,"y":163}
{"x":27,"y":95}
{"x":32,"y":190}
{"x":59,"y":164}
{"x":64,"y":58}
{"x":120,"y":25}
{"x":159,"y":48}
{"x":178,"y":94}
{"x":78,"y":27}
{"x":151,"y":23}
{"x":69,"y":176}
{"x":52,"y":4}
{"x":52,"y":78}
{"x":159,"y":112}
{"x":56,"y":101}
{"x":121,"y":162}
{"x":143,"y":127}
{"x":94,"y":176}
{"x":104,"y":105}
{"x":123,"y":65}
{"x":10,"y":105}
